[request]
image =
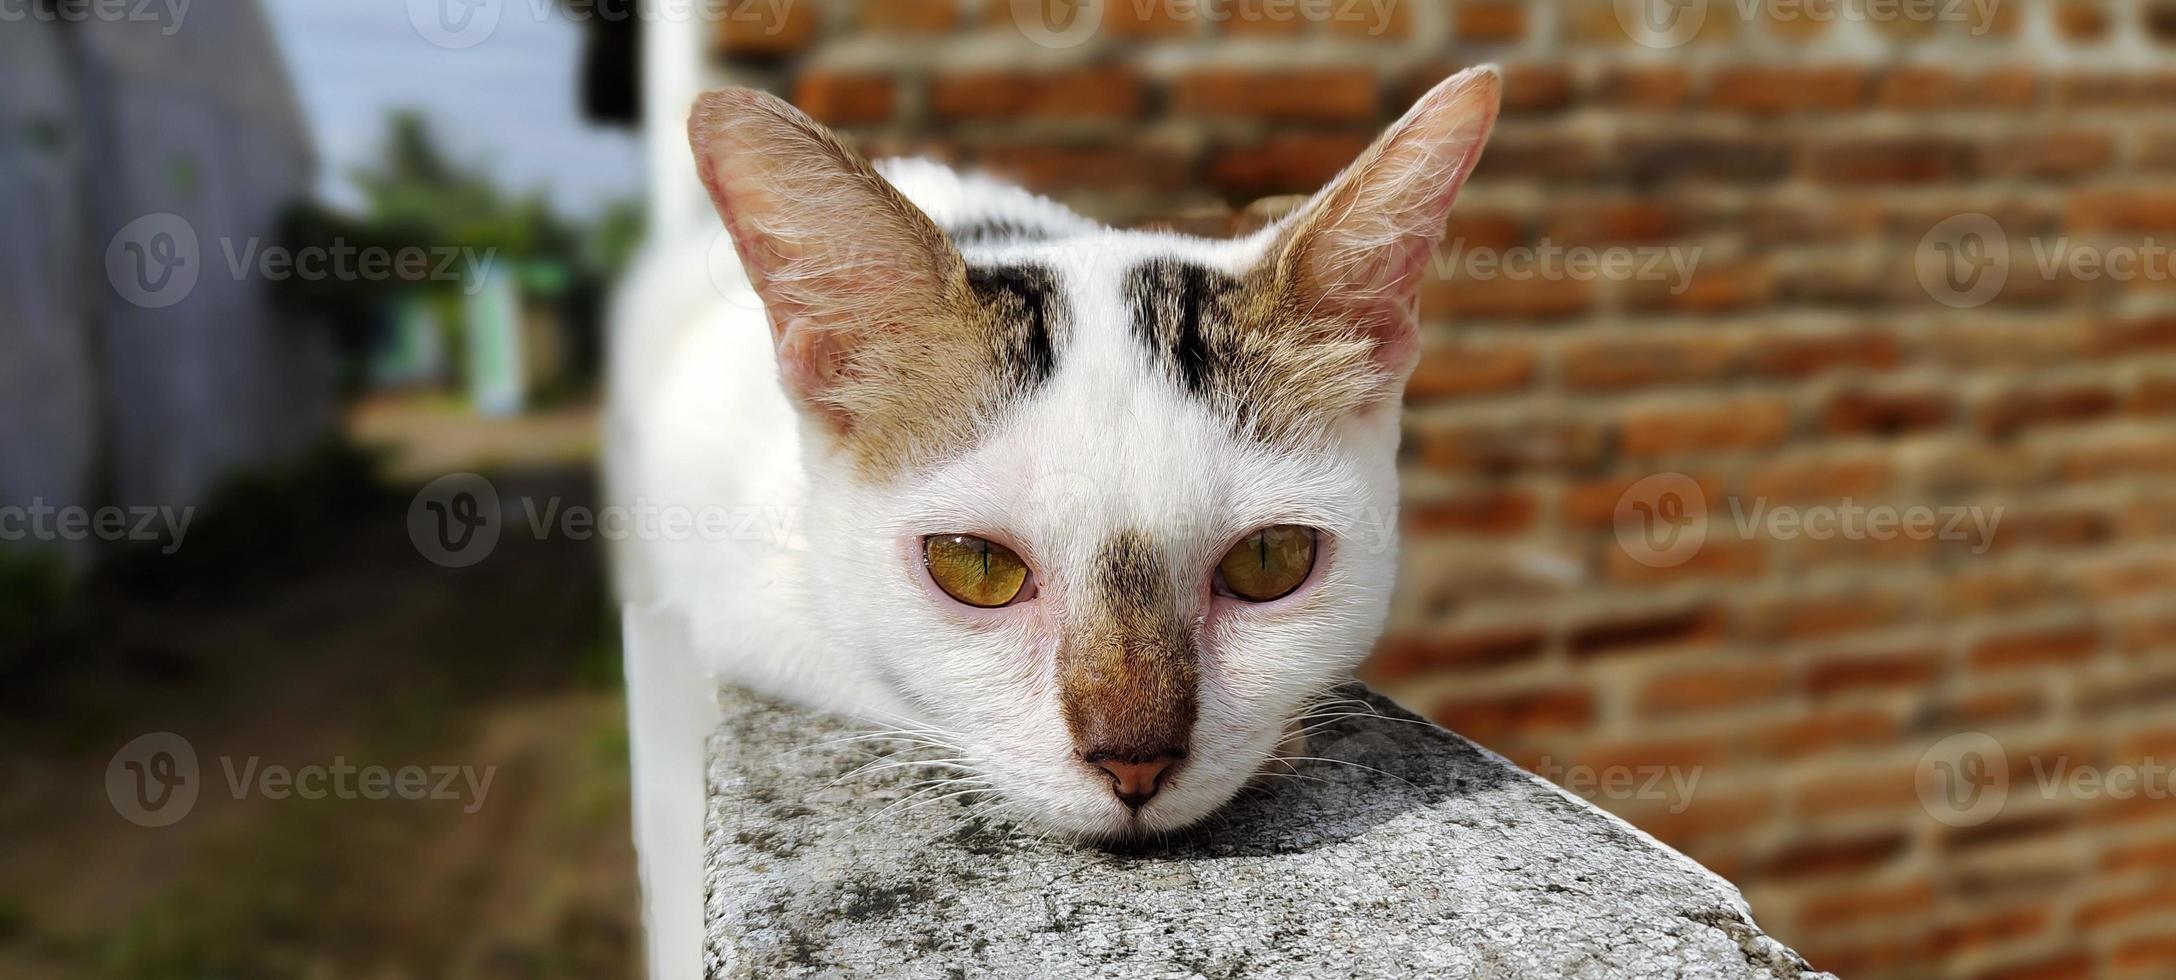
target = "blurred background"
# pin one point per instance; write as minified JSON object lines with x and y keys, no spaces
{"x":1789,"y":469}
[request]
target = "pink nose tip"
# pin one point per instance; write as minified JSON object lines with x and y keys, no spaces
{"x":1135,"y":782}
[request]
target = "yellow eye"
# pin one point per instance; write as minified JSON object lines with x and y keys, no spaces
{"x":1269,"y":563}
{"x":976,"y":571}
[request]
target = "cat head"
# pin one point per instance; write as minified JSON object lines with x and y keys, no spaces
{"x":1103,"y":510}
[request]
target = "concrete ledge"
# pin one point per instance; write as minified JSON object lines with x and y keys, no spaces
{"x":1450,"y":862}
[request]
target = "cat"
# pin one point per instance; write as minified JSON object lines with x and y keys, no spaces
{"x":1100,"y":510}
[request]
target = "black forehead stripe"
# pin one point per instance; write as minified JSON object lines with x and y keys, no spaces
{"x":989,"y":231}
{"x":1181,"y":312}
{"x":1027,"y":320}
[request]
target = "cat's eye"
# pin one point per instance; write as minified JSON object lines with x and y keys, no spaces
{"x":976,"y":571}
{"x":1268,"y":564}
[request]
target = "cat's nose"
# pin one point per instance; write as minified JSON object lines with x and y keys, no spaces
{"x":1135,"y":781}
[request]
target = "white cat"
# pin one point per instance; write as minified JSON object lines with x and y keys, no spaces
{"x":1100,"y":510}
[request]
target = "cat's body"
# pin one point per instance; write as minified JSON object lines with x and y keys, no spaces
{"x":1096,"y":512}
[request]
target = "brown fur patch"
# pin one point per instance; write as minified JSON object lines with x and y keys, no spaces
{"x":883,"y":330}
{"x":1128,"y":671}
{"x":1280,"y":371}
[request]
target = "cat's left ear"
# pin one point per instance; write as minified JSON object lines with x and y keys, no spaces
{"x":1358,"y":250}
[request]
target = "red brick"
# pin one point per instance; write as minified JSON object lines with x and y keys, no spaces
{"x":1412,"y":654}
{"x":1470,"y":369}
{"x":2007,"y":413}
{"x":1645,"y":86}
{"x":1692,"y":157}
{"x":2081,"y":20}
{"x":2114,"y":907}
{"x":1528,"y":442}
{"x":2067,"y":965}
{"x":2146,"y":953}
{"x":1911,"y":668}
{"x":1607,"y":363}
{"x":1283,"y":163}
{"x":845,"y":99}
{"x":1605,"y":222}
{"x":1393,"y":22}
{"x":1106,"y":92}
{"x":1536,"y":88}
{"x":1857,"y":903}
{"x":2009,"y":828}
{"x":1593,"y":504}
{"x":1745,"y":423}
{"x":1890,"y":160}
{"x":1855,"y":794}
{"x":1500,"y":296}
{"x":920,"y":17}
{"x":1890,"y":413}
{"x":1823,"y":478}
{"x":2062,"y":155}
{"x":1487,"y":21}
{"x":1494,"y":718}
{"x":1485,"y":513}
{"x":1140,"y":19}
{"x":2141,"y":210}
{"x":1050,"y":168}
{"x":1824,"y":731}
{"x":1628,"y":633}
{"x":1716,"y":286}
{"x":1717,"y":558}
{"x":1927,"y":86}
{"x":1302,"y":95}
{"x":1710,"y":688}
{"x":768,"y":30}
{"x":1959,"y":937}
{"x":2036,"y":648}
{"x":1855,"y":855}
{"x":1769,"y":89}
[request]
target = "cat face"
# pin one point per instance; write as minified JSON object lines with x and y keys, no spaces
{"x":1104,"y":510}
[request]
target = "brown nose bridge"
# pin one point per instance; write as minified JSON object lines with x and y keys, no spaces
{"x":1128,"y":672}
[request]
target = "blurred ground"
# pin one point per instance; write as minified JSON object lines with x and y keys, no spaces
{"x":342,"y":642}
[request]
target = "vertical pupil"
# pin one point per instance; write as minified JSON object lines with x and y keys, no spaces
{"x":985,"y":556}
{"x":1261,"y":546}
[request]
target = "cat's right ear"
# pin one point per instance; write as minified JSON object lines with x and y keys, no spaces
{"x":840,"y":258}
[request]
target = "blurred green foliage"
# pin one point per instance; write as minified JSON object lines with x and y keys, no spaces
{"x":418,"y":198}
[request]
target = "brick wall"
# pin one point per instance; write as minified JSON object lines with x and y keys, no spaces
{"x":1788,"y":221}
